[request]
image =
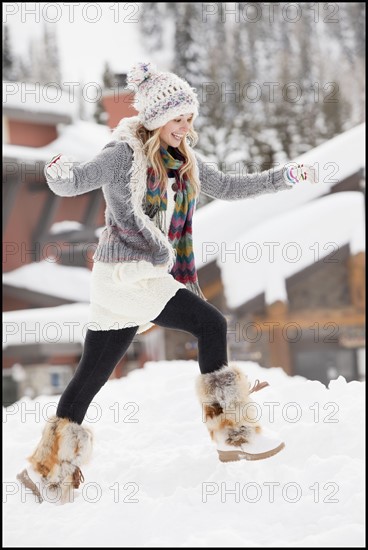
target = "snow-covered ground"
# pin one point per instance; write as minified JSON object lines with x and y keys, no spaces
{"x":155,"y":479}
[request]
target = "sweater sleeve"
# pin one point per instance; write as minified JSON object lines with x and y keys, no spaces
{"x":101,"y":170}
{"x":218,"y":185}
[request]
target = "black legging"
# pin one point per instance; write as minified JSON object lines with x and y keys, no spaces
{"x":103,"y":349}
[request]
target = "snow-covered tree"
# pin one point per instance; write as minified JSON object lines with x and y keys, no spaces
{"x":153,"y":20}
{"x":52,"y":55}
{"x":8,"y":57}
{"x":108,"y":77}
{"x":307,"y":70}
{"x":44,"y":58}
{"x":109,"y":82}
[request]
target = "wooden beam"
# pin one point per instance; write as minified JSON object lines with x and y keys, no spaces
{"x":279,"y":349}
{"x":356,"y":277}
{"x":51,"y":118}
{"x":45,"y":221}
{"x":34,"y":298}
{"x":10,"y":191}
{"x":29,"y":353}
{"x":213,"y":289}
{"x":342,"y":316}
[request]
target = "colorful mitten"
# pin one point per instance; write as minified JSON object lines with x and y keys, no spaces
{"x":298,"y":173}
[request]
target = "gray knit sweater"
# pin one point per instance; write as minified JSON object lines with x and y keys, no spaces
{"x":120,"y":170}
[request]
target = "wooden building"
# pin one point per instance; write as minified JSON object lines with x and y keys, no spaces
{"x":33,"y":133}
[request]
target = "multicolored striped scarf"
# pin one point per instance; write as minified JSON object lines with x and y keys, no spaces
{"x":180,"y":230}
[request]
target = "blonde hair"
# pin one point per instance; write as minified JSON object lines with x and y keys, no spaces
{"x":151,"y":145}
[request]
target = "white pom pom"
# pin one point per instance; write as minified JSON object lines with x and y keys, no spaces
{"x":139,"y":73}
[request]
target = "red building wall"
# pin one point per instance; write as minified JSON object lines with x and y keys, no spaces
{"x":21,"y":224}
{"x":31,"y":134}
{"x":23,"y":220}
{"x":28,"y":207}
{"x":118,"y":107}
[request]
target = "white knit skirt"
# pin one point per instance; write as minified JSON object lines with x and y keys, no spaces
{"x":128,"y":294}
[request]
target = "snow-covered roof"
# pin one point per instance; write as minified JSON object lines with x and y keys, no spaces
{"x":66,"y":225}
{"x":222,"y":221}
{"x":47,"y":325}
{"x":79,"y":141}
{"x":278,"y":248}
{"x":339,"y":157}
{"x":40,"y":98}
{"x":71,"y":283}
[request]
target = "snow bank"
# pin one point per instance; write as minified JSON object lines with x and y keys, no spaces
{"x":155,"y":479}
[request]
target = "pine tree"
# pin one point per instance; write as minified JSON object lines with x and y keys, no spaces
{"x":44,"y":58}
{"x":108,"y":77}
{"x":356,"y":13}
{"x":194,"y":46}
{"x":36,"y":61}
{"x":190,"y":44}
{"x":9,"y":72}
{"x":109,"y":82}
{"x":51,"y":55}
{"x":324,"y":61}
{"x":153,"y":20}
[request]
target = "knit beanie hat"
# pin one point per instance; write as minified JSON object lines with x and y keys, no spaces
{"x":160,"y":97}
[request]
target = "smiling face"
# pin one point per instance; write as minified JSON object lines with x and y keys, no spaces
{"x":175,"y":130}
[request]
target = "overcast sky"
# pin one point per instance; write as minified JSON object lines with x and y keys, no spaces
{"x":88,"y":34}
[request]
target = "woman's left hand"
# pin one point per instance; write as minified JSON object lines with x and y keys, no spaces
{"x":59,"y":168}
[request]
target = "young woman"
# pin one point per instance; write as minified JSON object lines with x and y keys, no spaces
{"x":144,"y":271}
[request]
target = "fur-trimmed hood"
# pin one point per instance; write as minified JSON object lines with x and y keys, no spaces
{"x":125,"y":130}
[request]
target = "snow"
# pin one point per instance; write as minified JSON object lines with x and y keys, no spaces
{"x":155,"y":479}
{"x":338,"y":157}
{"x":46,"y":325}
{"x":79,"y":141}
{"x":221,"y":222}
{"x":52,"y":278}
{"x":39,"y":98}
{"x":80,"y":36}
{"x":66,"y":225}
{"x":276,"y":249}
{"x":99,"y":231}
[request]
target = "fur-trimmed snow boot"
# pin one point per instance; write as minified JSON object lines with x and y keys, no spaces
{"x":230,"y":416}
{"x":54,"y":470}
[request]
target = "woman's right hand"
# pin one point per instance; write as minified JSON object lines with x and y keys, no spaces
{"x":59,"y":168}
